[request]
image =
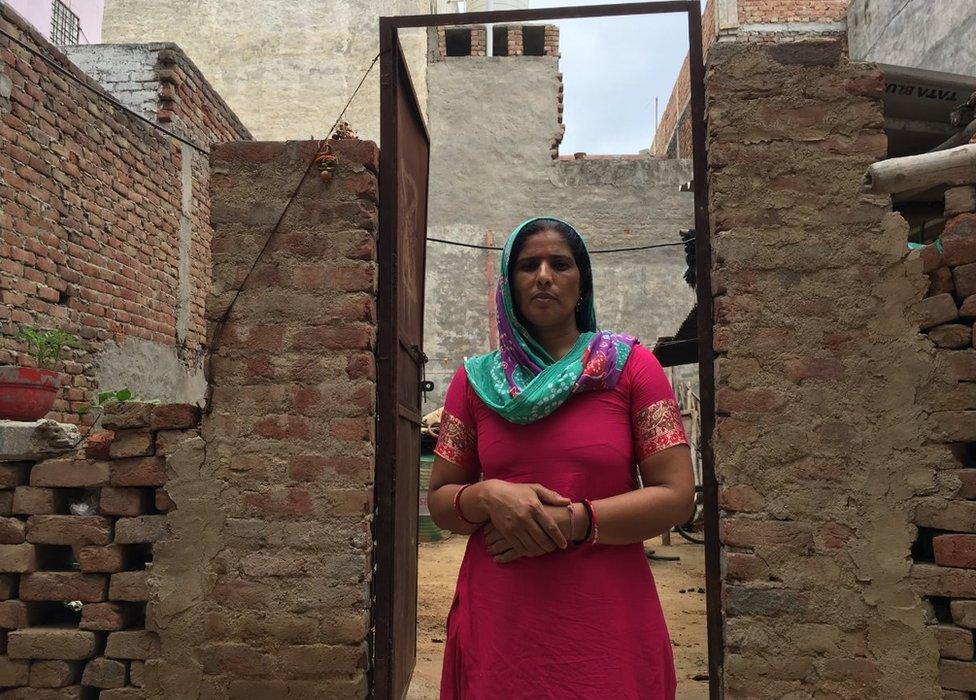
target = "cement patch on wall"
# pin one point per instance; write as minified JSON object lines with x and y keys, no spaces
{"x":150,"y":371}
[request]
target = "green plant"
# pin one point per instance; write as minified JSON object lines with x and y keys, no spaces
{"x":46,"y":346}
{"x":105,"y":397}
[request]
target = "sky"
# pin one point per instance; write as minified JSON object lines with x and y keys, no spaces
{"x":613,"y":68}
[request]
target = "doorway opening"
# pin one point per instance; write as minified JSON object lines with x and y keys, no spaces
{"x":401,"y":360}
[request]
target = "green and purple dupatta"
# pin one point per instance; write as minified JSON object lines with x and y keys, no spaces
{"x":520,"y":381}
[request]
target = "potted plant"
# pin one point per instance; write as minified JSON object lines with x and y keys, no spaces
{"x":27,"y":393}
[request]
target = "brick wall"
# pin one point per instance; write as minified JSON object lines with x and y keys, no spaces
{"x":543,"y":39}
{"x":289,"y":439}
{"x":780,"y":11}
{"x":673,"y":136}
{"x":943,"y":554}
{"x":104,"y":220}
{"x":826,"y":444}
{"x":103,"y":558}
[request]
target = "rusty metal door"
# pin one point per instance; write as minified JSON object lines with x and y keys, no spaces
{"x":404,"y":159}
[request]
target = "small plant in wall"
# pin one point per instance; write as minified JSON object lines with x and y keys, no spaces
{"x":27,"y":393}
{"x":106,"y":397}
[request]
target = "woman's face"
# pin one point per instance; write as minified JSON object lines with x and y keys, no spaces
{"x":546,"y":281}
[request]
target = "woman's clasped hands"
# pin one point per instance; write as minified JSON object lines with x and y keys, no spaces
{"x":525,"y":520}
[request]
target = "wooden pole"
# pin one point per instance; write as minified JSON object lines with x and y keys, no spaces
{"x":955,"y":166}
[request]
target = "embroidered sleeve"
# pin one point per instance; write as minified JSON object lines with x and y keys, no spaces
{"x":457,"y":443}
{"x":658,"y":427}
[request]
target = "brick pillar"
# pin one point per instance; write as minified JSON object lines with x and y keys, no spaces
{"x":289,"y":438}
{"x":479,"y":41}
{"x":514,"y":39}
{"x":552,"y":40}
{"x":823,"y":450}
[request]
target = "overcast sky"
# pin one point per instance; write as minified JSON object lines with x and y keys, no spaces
{"x":613,"y":68}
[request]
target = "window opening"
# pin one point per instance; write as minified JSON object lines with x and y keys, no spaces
{"x":458,"y":41}
{"x":65,"y":27}
{"x":534,"y":40}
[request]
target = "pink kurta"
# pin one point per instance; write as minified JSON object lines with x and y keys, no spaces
{"x":583,"y":622}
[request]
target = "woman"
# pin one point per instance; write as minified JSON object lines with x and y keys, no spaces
{"x":555,"y":597}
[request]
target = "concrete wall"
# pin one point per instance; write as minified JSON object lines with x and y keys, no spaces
{"x":287,"y":67}
{"x":492,"y":123}
{"x":915,"y":33}
{"x":824,"y":446}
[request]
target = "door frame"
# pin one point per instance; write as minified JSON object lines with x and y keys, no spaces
{"x":386,"y":299}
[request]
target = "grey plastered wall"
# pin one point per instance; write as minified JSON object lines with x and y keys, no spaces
{"x":127,"y":72}
{"x":491,"y":123}
{"x":286,"y":67}
{"x":914,"y":33}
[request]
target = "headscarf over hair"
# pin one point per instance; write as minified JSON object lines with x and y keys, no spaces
{"x":520,"y":381}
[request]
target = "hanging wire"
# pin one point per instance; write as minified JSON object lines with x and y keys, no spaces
{"x":284,"y":211}
{"x":592,"y":252}
{"x":100,"y":93}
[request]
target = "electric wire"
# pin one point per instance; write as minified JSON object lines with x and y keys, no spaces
{"x":592,"y":252}
{"x":100,"y":93}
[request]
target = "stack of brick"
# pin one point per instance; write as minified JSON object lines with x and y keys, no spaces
{"x":479,"y":41}
{"x":515,"y":44}
{"x":944,"y":554}
{"x":552,"y":40}
{"x":948,"y":312}
{"x":76,"y":549}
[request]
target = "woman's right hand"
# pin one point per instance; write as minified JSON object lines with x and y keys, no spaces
{"x":517,"y":512}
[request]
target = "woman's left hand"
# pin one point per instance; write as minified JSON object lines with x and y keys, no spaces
{"x":503,"y":552}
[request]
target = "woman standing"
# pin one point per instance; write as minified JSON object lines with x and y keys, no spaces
{"x":554,"y":596}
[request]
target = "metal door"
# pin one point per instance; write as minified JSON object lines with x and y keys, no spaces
{"x":404,"y":159}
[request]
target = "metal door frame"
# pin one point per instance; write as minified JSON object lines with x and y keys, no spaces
{"x":386,"y":303}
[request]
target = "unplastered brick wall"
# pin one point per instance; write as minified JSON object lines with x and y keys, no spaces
{"x":832,"y":407}
{"x":279,"y":552}
{"x":945,"y":547}
{"x":518,"y":40}
{"x":782,"y":11}
{"x":105,"y":221}
{"x":78,"y":534}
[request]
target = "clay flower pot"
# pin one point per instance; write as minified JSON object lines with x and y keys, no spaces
{"x":27,"y":393}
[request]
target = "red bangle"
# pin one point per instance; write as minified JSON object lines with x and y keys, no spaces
{"x":457,"y":506}
{"x":594,"y":525}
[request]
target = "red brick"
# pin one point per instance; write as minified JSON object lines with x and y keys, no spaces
{"x":97,"y":444}
{"x":69,"y":529}
{"x":145,"y":528}
{"x":104,"y":617}
{"x":8,"y":586}
{"x":967,"y":487}
{"x":13,"y":474}
{"x":936,"y":310}
{"x":69,"y":473}
{"x":139,"y":471}
{"x":962,"y":365}
{"x":123,"y":501}
{"x":174,"y":416}
{"x":167,"y":440}
{"x":122,"y":416}
{"x":51,"y":643}
{"x":127,"y":693}
{"x":740,"y":566}
{"x":132,"y":644}
{"x":748,"y":400}
{"x":11,"y":531}
{"x":105,"y":560}
{"x":940,"y":282}
{"x":7,"y":502}
{"x":741,"y":532}
{"x":104,"y":673}
{"x":17,"y":558}
{"x":63,"y":585}
{"x":164,"y":503}
{"x":32,"y":500}
{"x":955,"y":550}
{"x":959,"y":240}
{"x":964,"y":278}
{"x":13,"y":673}
{"x":131,"y":443}
{"x":235,"y":659}
{"x":54,"y":674}
{"x":951,"y":335}
{"x":129,"y":586}
{"x":931,"y":259}
{"x":957,"y":675}
{"x":13,"y":614}
{"x":741,"y":498}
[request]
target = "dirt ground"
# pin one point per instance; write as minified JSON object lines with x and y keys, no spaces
{"x":685,"y":612}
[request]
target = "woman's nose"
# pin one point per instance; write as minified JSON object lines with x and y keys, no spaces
{"x":545,"y":274}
